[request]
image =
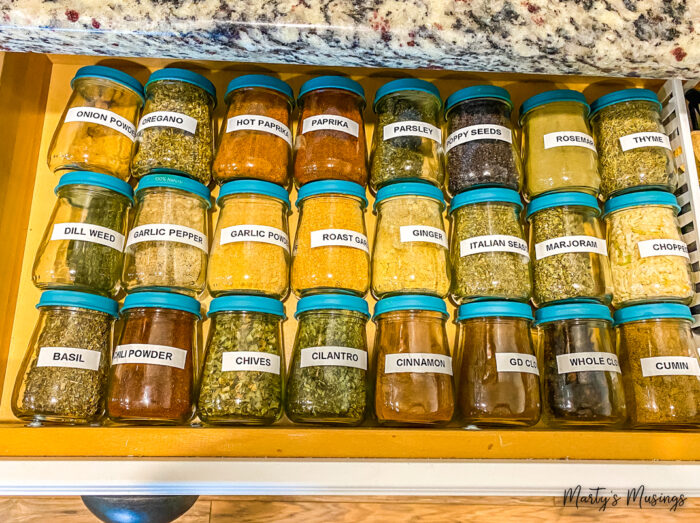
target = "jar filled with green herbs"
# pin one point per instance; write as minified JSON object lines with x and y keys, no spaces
{"x":175,"y":134}
{"x":243,"y":376}
{"x":63,"y":376}
{"x":328,"y":379}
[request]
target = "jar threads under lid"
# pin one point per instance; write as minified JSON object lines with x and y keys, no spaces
{"x":332,"y":302}
{"x":162,"y":300}
{"x":562,"y":199}
{"x":573,"y":311}
{"x":625,"y":95}
{"x":557,"y":95}
{"x":406,"y":84}
{"x":242,"y":303}
{"x":82,"y":300}
{"x":486,"y":195}
{"x":478,"y":92}
{"x":109,"y":73}
{"x":641,"y":198}
{"x":409,"y":189}
{"x":259,"y":80}
{"x":332,"y":82}
{"x":653,"y":311}
{"x":408,"y":302}
{"x":494,"y":309}
{"x":172,"y":181}
{"x":332,"y":187}
{"x":183,"y":75}
{"x":254,"y":187}
{"x":97,"y":179}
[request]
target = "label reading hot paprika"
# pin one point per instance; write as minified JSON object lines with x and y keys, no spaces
{"x":565,"y":244}
{"x":168,"y":119}
{"x":636,"y":140}
{"x":423,"y":233}
{"x":662,"y":247}
{"x":250,"y":361}
{"x":332,"y":356}
{"x":166,"y":232}
{"x":254,"y":233}
{"x":254,"y":122}
{"x":516,"y":362}
{"x":339,"y":238}
{"x":587,"y":361}
{"x":422,"y":363}
{"x":412,"y":128}
{"x":102,"y":117}
{"x":330,"y":122}
{"x":138,"y":353}
{"x":88,"y":232}
{"x":478,"y":132}
{"x":567,"y":139}
{"x":69,"y":357}
{"x":493,"y":243}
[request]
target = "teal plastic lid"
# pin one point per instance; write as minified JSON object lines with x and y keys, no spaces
{"x":558,"y":95}
{"x":173,"y":181}
{"x":478,"y":91}
{"x":641,"y":198}
{"x":561,"y":199}
{"x":626,"y":95}
{"x":409,"y":189}
{"x":183,"y":75}
{"x":98,"y":180}
{"x":573,"y":311}
{"x":332,"y":187}
{"x":332,"y":82}
{"x":487,"y":309}
{"x":109,"y":73}
{"x":406,"y":84}
{"x":82,"y":300}
{"x":162,"y":300}
{"x":487,"y":194}
{"x":246,"y":304}
{"x":653,"y":311}
{"x":408,"y":302}
{"x":254,"y":187}
{"x":341,"y":302}
{"x":259,"y":80}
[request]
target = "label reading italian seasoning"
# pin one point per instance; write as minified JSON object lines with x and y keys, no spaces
{"x":636,"y":140}
{"x":102,"y":117}
{"x":339,"y":238}
{"x":331,"y":356}
{"x":253,"y":122}
{"x":70,"y":357}
{"x":648,"y":248}
{"x":587,"y":361}
{"x":137,"y":353}
{"x":165,"y":232}
{"x":255,"y":233}
{"x":423,"y":233}
{"x":330,"y":122}
{"x":516,"y":362}
{"x":493,"y":243}
{"x":422,"y":363}
{"x":565,"y":244}
{"x":88,"y":232}
{"x":568,"y":139}
{"x":670,"y":366}
{"x":168,"y":119}
{"x":250,"y":361}
{"x":412,"y":128}
{"x":478,"y":132}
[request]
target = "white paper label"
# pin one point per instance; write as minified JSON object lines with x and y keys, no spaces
{"x":588,"y":361}
{"x":670,"y":366}
{"x":516,"y":362}
{"x":69,"y":357}
{"x":423,"y":233}
{"x":422,"y":363}
{"x":330,"y":122}
{"x":254,"y":233}
{"x":253,"y":122}
{"x":493,"y":243}
{"x":568,"y":138}
{"x":331,"y":356}
{"x":250,"y":361}
{"x":88,"y":232}
{"x":340,"y":238}
{"x":168,"y":119}
{"x":165,"y":232}
{"x":138,"y":353}
{"x":648,"y":248}
{"x":102,"y":117}
{"x":565,"y":244}
{"x":478,"y":132}
{"x":636,"y":140}
{"x":412,"y":128}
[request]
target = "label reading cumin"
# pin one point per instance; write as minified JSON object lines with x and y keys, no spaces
{"x":565,"y":244}
{"x":421,"y":363}
{"x":166,"y":232}
{"x":567,"y":139}
{"x":423,"y":233}
{"x":478,"y":132}
{"x":88,"y":232}
{"x":412,"y":128}
{"x":138,"y":353}
{"x":493,"y":243}
{"x":332,"y":356}
{"x":339,"y":238}
{"x":255,"y":233}
{"x":670,"y":366}
{"x":102,"y":117}
{"x":662,"y":247}
{"x":636,"y":140}
{"x":168,"y":119}
{"x":330,"y":122}
{"x":254,"y":122}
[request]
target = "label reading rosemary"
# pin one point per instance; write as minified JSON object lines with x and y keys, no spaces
{"x":663,"y":247}
{"x":478,"y":132}
{"x":166,"y":232}
{"x":423,"y":233}
{"x":253,"y":122}
{"x":168,"y":119}
{"x":330,"y":356}
{"x":670,"y":366}
{"x":330,"y":122}
{"x":69,"y":357}
{"x":255,"y":233}
{"x":102,"y":117}
{"x":493,"y":243}
{"x":340,"y":238}
{"x":587,"y":361}
{"x":250,"y":361}
{"x":419,"y":363}
{"x":412,"y":128}
{"x":516,"y":362}
{"x":636,"y":140}
{"x":138,"y":353}
{"x":568,"y":138}
{"x":565,"y":244}
{"x":88,"y":232}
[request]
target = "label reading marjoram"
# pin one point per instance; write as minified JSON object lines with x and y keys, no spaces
{"x":70,"y":357}
{"x":587,"y":361}
{"x":331,"y":356}
{"x":88,"y":232}
{"x":568,"y":138}
{"x":412,"y":128}
{"x":149,"y":355}
{"x":478,"y":132}
{"x":670,"y":366}
{"x":422,"y":363}
{"x":493,"y":243}
{"x":102,"y":117}
{"x":165,"y":232}
{"x":648,"y":248}
{"x":339,"y":238}
{"x":636,"y":140}
{"x":168,"y":119}
{"x":254,"y":233}
{"x":250,"y":361}
{"x":565,"y":244}
{"x":330,"y":122}
{"x":253,"y":122}
{"x":516,"y":362}
{"x":422,"y":233}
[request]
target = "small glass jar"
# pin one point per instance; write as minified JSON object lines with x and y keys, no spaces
{"x":581,"y":382}
{"x":250,"y":254}
{"x":98,"y":125}
{"x":498,"y":383}
{"x":167,"y":246}
{"x":175,"y":134}
{"x":243,"y":376}
{"x":660,"y":365}
{"x":568,"y":249}
{"x":330,"y":141}
{"x":410,"y":251}
{"x":83,"y":243}
{"x":152,"y":376}
{"x":328,"y":379}
{"x":480,"y":146}
{"x":256,"y":140}
{"x":559,"y":152}
{"x":414,"y":383}
{"x":407,"y":143}
{"x":331,"y":251}
{"x":489,"y":254}
{"x":649,"y":260}
{"x":63,"y":376}
{"x":634,"y":151}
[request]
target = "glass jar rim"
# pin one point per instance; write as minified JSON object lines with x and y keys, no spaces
{"x":653,"y":311}
{"x":406,"y":84}
{"x":332,"y":187}
{"x":478,"y":92}
{"x":395,"y":190}
{"x":244,"y":303}
{"x":162,"y":300}
{"x":172,"y":181}
{"x":321,"y":302}
{"x":556,"y":95}
{"x":98,"y":180}
{"x":112,"y":74}
{"x":411,"y":302}
{"x":182,"y":75}
{"x":636,"y":199}
{"x":259,"y":187}
{"x":332,"y":82}
{"x":81,"y":300}
{"x":486,"y":195}
{"x":259,"y":80}
{"x":625,"y":95}
{"x":494,"y":309}
{"x":581,"y":310}
{"x":562,"y":199}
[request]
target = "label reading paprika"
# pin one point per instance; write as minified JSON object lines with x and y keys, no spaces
{"x":412,"y":128}
{"x":516,"y":362}
{"x":70,"y":357}
{"x":670,"y":366}
{"x":565,"y":244}
{"x":330,"y":122}
{"x":568,"y":138}
{"x":254,"y":122}
{"x":332,"y":356}
{"x":168,"y":119}
{"x":636,"y":140}
{"x":233,"y":361}
{"x":663,"y":247}
{"x":422,"y":363}
{"x":587,"y":361}
{"x":102,"y":117}
{"x":493,"y":243}
{"x":339,"y":238}
{"x":423,"y":233}
{"x":165,"y":232}
{"x":138,"y":353}
{"x":478,"y":132}
{"x":88,"y":232}
{"x":254,"y":233}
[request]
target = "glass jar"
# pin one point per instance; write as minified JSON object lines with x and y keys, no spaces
{"x":250,"y":254}
{"x":243,"y":376}
{"x":328,"y":380}
{"x":479,"y":147}
{"x":634,"y":151}
{"x":330,"y":141}
{"x":649,"y":260}
{"x":154,"y":362}
{"x":579,"y":365}
{"x":167,"y":246}
{"x":498,"y":375}
{"x":331,"y":251}
{"x":63,"y":374}
{"x":407,"y":143}
{"x":410,"y":252}
{"x":256,"y":141}
{"x":569,"y":252}
{"x":83,"y":243}
{"x":412,"y":360}
{"x":660,"y":365}
{"x":489,"y":254}
{"x":98,"y":126}
{"x":558,"y":150}
{"x":175,"y":134}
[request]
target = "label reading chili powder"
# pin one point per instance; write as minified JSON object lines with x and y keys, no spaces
{"x":493,"y":243}
{"x":254,"y":233}
{"x":670,"y":366}
{"x":168,"y":119}
{"x":330,"y":122}
{"x":568,"y":138}
{"x":587,"y":361}
{"x":102,"y":117}
{"x":149,"y":355}
{"x":478,"y":132}
{"x":565,"y":244}
{"x":250,"y":361}
{"x":331,"y":356}
{"x":422,"y":233}
{"x":516,"y":362}
{"x":412,"y":128}
{"x":166,"y":232}
{"x":649,"y":248}
{"x":70,"y":357}
{"x":339,"y":238}
{"x":421,"y":363}
{"x":253,"y":122}
{"x":88,"y":232}
{"x":636,"y":140}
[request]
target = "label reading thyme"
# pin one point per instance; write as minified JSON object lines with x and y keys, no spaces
{"x":332,"y":356}
{"x":636,"y":140}
{"x":102,"y":117}
{"x":330,"y":122}
{"x":565,"y":244}
{"x":421,"y":363}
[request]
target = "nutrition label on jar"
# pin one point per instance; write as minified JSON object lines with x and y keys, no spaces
{"x":253,"y":122}
{"x":168,"y":119}
{"x":636,"y":140}
{"x":331,"y":356}
{"x":422,"y":363}
{"x":423,"y":233}
{"x":412,"y":128}
{"x":330,"y":122}
{"x":165,"y":232}
{"x":516,"y":362}
{"x":339,"y":238}
{"x":670,"y":366}
{"x":662,"y":247}
{"x":493,"y":243}
{"x":136,"y":353}
{"x":478,"y":132}
{"x":565,"y":244}
{"x":102,"y":117}
{"x":250,"y":361}
{"x":88,"y":232}
{"x":69,"y":357}
{"x":588,"y":361}
{"x":568,"y":139}
{"x":254,"y":233}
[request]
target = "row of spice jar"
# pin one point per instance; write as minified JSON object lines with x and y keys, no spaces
{"x":572,"y":375}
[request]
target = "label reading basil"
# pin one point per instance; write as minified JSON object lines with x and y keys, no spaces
{"x":422,"y":363}
{"x":69,"y":357}
{"x":568,"y":138}
{"x":636,"y":140}
{"x":423,"y":233}
{"x":412,"y":128}
{"x":88,"y":232}
{"x":587,"y":361}
{"x":648,"y":248}
{"x":670,"y":366}
{"x":250,"y":361}
{"x":168,"y":119}
{"x":165,"y":232}
{"x":493,"y":243}
{"x":565,"y":244}
{"x":138,"y":353}
{"x":254,"y":233}
{"x":330,"y":122}
{"x":339,"y":238}
{"x":516,"y":362}
{"x":102,"y":117}
{"x":331,"y":356}
{"x":478,"y":132}
{"x":253,"y":122}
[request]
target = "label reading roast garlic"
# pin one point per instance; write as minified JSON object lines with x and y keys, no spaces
{"x":138,"y":353}
{"x":330,"y":122}
{"x":339,"y":238}
{"x":478,"y":132}
{"x":422,"y":363}
{"x":636,"y":140}
{"x":254,"y":233}
{"x":102,"y":117}
{"x":587,"y":361}
{"x":165,"y":232}
{"x":565,"y":244}
{"x":412,"y":128}
{"x":332,"y":356}
{"x":70,"y":357}
{"x":663,"y":247}
{"x":670,"y":366}
{"x":493,"y":243}
{"x":254,"y":122}
{"x":168,"y":119}
{"x":88,"y":232}
{"x":250,"y":361}
{"x":516,"y":362}
{"x":423,"y":233}
{"x":568,"y":138}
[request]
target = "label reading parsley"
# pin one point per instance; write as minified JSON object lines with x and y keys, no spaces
{"x":422,"y":363}
{"x":412,"y":128}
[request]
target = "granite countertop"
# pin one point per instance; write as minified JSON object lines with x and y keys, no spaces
{"x":650,"y":38}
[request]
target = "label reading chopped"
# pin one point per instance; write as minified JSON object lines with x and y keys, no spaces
{"x":565,"y":244}
{"x":70,"y":357}
{"x":662,"y":247}
{"x":670,"y":366}
{"x":340,"y":238}
{"x":478,"y":132}
{"x":253,"y":122}
{"x":587,"y":361}
{"x":636,"y":140}
{"x":567,"y":139}
{"x":516,"y":362}
{"x":250,"y":361}
{"x":255,"y":233}
{"x":165,"y":232}
{"x":421,"y":363}
{"x":138,"y":353}
{"x":102,"y":117}
{"x":88,"y":232}
{"x":330,"y":122}
{"x":330,"y":356}
{"x":493,"y":243}
{"x":168,"y":119}
{"x":423,"y":233}
{"x":412,"y":128}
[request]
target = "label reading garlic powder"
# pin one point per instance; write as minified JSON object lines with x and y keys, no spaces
{"x":138,"y":353}
{"x":421,"y":363}
{"x":332,"y":356}
{"x":102,"y":117}
{"x":253,"y":122}
{"x":69,"y":357}
{"x":254,"y":233}
{"x":636,"y":140}
{"x":339,"y":238}
{"x":478,"y":132}
{"x":493,"y":243}
{"x":670,"y":366}
{"x":423,"y":233}
{"x":88,"y":232}
{"x":565,"y":244}
{"x":250,"y":361}
{"x":516,"y":362}
{"x":168,"y":119}
{"x":166,"y":232}
{"x":588,"y":361}
{"x":649,"y":248}
{"x":568,"y":139}
{"x":412,"y":128}
{"x":330,"y":122}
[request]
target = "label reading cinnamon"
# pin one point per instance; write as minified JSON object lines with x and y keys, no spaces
{"x":421,"y":363}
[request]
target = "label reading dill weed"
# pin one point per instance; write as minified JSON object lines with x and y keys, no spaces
{"x":69,"y":357}
{"x":233,"y":361}
{"x":102,"y":117}
{"x":587,"y":362}
{"x":330,"y":122}
{"x":423,"y":233}
{"x":253,"y":122}
{"x":565,"y":244}
{"x":670,"y":366}
{"x":478,"y":132}
{"x":339,"y":238}
{"x":637,"y":140}
{"x":568,"y":139}
{"x":88,"y":232}
{"x":331,"y":356}
{"x":493,"y":243}
{"x":421,"y":363}
{"x":662,"y":247}
{"x":412,"y":128}
{"x":168,"y":119}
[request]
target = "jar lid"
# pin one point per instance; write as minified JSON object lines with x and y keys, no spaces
{"x":259,"y":80}
{"x":109,"y":73}
{"x":408,"y":302}
{"x":478,"y":91}
{"x":332,"y":187}
{"x":409,"y":189}
{"x":254,"y":187}
{"x":162,"y":300}
{"x":332,"y":82}
{"x":652,"y":311}
{"x":82,"y":300}
{"x":561,"y":199}
{"x":406,"y":84}
{"x":246,"y":304}
{"x":172,"y":181}
{"x":626,"y":95}
{"x":641,"y":198}
{"x":573,"y":311}
{"x":485,"y":195}
{"x":343,"y":302}
{"x":183,"y":75}
{"x":100,"y":180}
{"x":484,"y":309}
{"x":558,"y":95}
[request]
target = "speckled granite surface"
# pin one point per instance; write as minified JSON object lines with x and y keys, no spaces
{"x":652,"y":38}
